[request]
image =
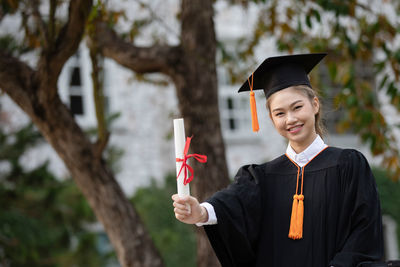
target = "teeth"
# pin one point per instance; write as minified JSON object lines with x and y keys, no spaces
{"x":294,"y":128}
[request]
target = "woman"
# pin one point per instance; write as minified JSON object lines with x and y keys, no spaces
{"x":313,"y":206}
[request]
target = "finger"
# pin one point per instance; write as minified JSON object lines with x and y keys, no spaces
{"x":179,"y":206}
{"x":183,"y":211}
{"x":178,"y":199}
{"x":180,"y":217}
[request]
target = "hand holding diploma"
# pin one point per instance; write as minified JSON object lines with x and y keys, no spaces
{"x":187,"y":208}
{"x":195,"y":214}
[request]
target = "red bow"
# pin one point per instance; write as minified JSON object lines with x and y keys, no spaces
{"x":199,"y":158}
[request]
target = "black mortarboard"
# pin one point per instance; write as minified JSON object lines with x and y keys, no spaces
{"x":277,"y":73}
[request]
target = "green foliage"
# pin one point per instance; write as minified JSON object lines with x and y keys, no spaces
{"x":42,"y":218}
{"x":13,"y":146}
{"x":389,"y":193}
{"x":7,"y":43}
{"x":176,"y":241}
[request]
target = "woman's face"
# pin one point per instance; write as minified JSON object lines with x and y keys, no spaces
{"x":293,"y":115}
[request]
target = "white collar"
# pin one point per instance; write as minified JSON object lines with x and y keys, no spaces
{"x":308,"y":154}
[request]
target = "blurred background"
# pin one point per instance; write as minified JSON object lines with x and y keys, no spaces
{"x":89,"y":90}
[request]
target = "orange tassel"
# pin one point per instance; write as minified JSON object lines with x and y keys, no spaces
{"x":300,"y":215}
{"x":253,"y":107}
{"x":293,"y":222}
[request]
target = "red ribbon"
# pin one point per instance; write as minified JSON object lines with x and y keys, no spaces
{"x":185,"y":166}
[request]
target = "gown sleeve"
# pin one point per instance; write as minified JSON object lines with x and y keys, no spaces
{"x":359,"y":234}
{"x":238,"y":209}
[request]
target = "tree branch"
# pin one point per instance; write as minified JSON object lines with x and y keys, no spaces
{"x":66,"y":44}
{"x":70,"y":36}
{"x":52,"y":21}
{"x":157,"y":58}
{"x":16,"y":78}
{"x":156,"y":17}
{"x":98,"y":96}
{"x":40,"y":23}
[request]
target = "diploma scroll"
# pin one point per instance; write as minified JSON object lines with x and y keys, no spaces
{"x":179,"y":134}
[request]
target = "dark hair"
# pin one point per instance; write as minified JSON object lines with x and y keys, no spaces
{"x":311,"y":93}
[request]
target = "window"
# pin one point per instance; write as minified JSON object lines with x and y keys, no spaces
{"x":75,"y":77}
{"x":234,"y":108}
{"x":75,"y":89}
{"x":234,"y":111}
{"x":76,"y":104}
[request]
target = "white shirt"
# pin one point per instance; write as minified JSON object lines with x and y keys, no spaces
{"x":301,"y":159}
{"x":307,"y":154}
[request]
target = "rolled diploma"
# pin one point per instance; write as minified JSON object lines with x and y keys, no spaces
{"x":179,"y":134}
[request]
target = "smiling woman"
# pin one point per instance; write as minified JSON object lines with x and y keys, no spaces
{"x":293,"y":114}
{"x":313,"y":206}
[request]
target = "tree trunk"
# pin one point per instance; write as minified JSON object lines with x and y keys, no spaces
{"x":197,"y":90}
{"x":120,"y":220}
{"x":192,"y":67}
{"x":36,"y":93}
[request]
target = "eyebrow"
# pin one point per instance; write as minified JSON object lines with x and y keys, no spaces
{"x":291,"y":105}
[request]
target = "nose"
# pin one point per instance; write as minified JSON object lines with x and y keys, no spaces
{"x":291,"y":118}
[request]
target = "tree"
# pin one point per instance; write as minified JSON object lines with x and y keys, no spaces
{"x":42,"y":220}
{"x":34,"y":89}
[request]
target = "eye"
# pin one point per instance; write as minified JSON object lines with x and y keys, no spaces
{"x":298,"y":107}
{"x":279,"y":114}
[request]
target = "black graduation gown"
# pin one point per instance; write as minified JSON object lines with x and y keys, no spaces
{"x":342,"y":218}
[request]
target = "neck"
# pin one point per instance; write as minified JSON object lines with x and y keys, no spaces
{"x":299,"y":147}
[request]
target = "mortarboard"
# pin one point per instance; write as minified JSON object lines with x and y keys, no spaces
{"x":277,"y":73}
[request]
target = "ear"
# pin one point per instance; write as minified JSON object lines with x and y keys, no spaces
{"x":315,"y":104}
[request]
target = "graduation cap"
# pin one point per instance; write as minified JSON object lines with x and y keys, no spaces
{"x":277,"y":73}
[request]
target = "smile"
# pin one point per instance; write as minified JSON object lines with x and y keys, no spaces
{"x":295,"y":129}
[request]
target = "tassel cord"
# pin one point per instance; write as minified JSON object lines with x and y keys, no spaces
{"x":253,"y":106}
{"x":296,"y":219}
{"x":297,"y":216}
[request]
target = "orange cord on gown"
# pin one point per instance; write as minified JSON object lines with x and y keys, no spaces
{"x":253,"y":106}
{"x":297,"y":217}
